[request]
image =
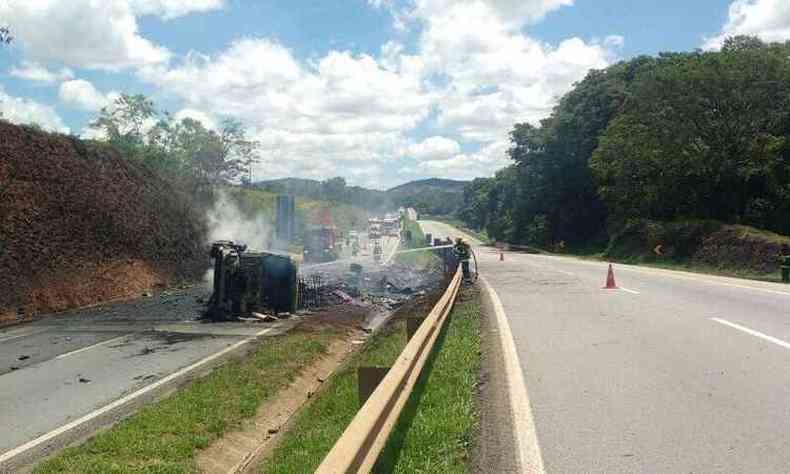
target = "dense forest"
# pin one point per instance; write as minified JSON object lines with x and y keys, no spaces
{"x":691,"y":137}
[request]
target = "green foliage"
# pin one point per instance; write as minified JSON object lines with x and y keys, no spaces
{"x":638,"y":238}
{"x":436,"y":426}
{"x":333,"y":189}
{"x":681,"y":136}
{"x":429,"y":196}
{"x":184,"y":151}
{"x":704,"y":136}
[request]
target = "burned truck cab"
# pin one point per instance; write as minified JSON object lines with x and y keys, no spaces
{"x":246,"y":282}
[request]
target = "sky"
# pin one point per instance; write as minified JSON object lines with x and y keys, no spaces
{"x":378,"y":91}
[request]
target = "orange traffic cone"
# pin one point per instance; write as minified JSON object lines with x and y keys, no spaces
{"x":610,"y":284}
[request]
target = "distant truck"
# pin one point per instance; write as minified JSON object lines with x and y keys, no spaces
{"x":320,"y":245}
{"x":391,"y":226}
{"x":374,"y":231}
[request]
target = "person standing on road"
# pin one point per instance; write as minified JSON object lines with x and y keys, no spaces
{"x":377,"y":251}
{"x":462,"y":253}
{"x":784,"y":258}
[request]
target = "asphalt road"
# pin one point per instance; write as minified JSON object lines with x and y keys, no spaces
{"x":63,"y":367}
{"x":673,"y":372}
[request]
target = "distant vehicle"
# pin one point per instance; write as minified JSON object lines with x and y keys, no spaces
{"x":391,"y":226}
{"x":320,"y":244}
{"x":377,"y":251}
{"x":374,"y":231}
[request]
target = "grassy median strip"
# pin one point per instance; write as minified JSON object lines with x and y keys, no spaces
{"x":165,"y":436}
{"x":433,"y":433}
{"x":421,"y":260}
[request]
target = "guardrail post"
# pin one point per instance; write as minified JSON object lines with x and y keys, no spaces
{"x":368,"y":378}
{"x":412,"y":324}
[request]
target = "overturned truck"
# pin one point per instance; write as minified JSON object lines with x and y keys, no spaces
{"x":247,"y":282}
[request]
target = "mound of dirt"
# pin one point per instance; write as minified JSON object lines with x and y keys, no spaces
{"x":709,"y":243}
{"x":80,"y":224}
{"x":741,"y":247}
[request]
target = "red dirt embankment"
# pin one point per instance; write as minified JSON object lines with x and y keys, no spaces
{"x":80,"y":224}
{"x":711,"y":244}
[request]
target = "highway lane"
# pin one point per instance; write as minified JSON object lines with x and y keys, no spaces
{"x":674,"y":372}
{"x":63,"y":367}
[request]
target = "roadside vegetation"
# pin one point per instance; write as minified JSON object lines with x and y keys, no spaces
{"x":648,"y":146}
{"x":166,"y":436}
{"x":479,"y":234}
{"x":434,"y":431}
{"x":424,"y":259}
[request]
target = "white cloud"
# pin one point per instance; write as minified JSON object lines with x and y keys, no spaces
{"x":100,"y":34}
{"x":485,"y":162}
{"x":335,"y":115}
{"x":498,"y":76}
{"x":169,"y":9}
{"x":38,"y":73}
{"x":207,"y":120}
{"x":471,"y":75}
{"x":767,"y":19}
{"x":26,"y":111}
{"x":511,"y":13}
{"x":434,"y":148}
{"x":82,"y":94}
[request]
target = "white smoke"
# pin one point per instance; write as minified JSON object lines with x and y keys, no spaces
{"x":227,"y":222}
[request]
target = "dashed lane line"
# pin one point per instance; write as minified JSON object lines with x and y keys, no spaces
{"x":93,"y":346}
{"x":752,"y":332}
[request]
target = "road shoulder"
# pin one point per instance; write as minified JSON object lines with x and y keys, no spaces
{"x":495,"y":445}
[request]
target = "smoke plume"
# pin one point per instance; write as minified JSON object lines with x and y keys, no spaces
{"x":227,"y":222}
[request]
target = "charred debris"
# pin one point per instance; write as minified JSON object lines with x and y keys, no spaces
{"x":269,"y":286}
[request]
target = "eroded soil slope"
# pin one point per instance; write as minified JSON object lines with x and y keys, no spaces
{"x":80,"y":224}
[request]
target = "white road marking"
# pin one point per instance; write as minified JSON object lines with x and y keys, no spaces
{"x":69,"y":426}
{"x":754,"y":333}
{"x":530,"y":457}
{"x":17,"y":336}
{"x":630,"y":291}
{"x":98,"y":344}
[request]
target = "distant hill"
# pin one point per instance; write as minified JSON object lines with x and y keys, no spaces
{"x":429,"y":196}
{"x":413,"y":188}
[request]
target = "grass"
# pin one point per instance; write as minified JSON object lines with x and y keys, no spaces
{"x":434,"y":431}
{"x":164,"y":437}
{"x":424,"y":259}
{"x":459,"y":224}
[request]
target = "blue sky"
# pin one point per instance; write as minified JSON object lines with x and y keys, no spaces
{"x":377,"y":91}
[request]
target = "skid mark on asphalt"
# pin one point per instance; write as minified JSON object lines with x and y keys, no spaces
{"x":752,"y":332}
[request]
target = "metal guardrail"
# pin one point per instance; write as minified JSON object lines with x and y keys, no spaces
{"x":365,"y":437}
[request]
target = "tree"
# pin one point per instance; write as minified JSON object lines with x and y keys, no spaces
{"x":180,"y":150}
{"x":704,"y":135}
{"x":334,"y":189}
{"x":124,"y":120}
{"x":5,"y":35}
